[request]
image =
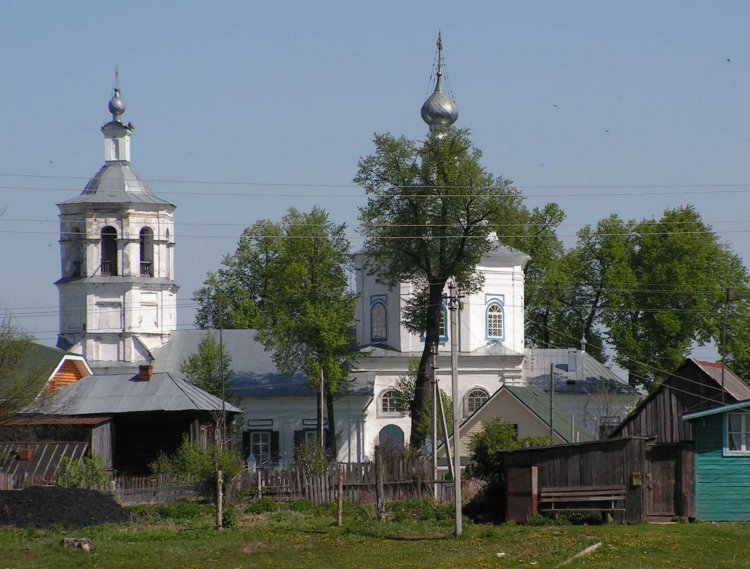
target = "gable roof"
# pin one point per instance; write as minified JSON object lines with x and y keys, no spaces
{"x":537,"y":403}
{"x":126,"y":393}
{"x":733,"y":385}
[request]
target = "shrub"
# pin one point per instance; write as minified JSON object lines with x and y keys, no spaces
{"x":87,"y":473}
{"x":196,"y":464}
{"x":303,"y":506}
{"x":311,"y":458}
{"x":421,"y":509}
{"x":261,"y":506}
{"x":538,"y":520}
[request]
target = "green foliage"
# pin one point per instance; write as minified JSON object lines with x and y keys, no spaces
{"x":289,"y":281}
{"x":181,"y":511}
{"x":421,"y":509}
{"x":22,"y":378}
{"x":196,"y":464}
{"x":405,"y":387}
{"x":430,"y":209}
{"x":311,"y":458}
{"x":302,"y":505}
{"x":85,"y":473}
{"x":539,"y":520}
{"x":210,"y":367}
{"x":261,"y":506}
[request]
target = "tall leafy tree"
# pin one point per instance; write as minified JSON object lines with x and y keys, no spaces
{"x":233,"y":296}
{"x":431,"y":208}
{"x":308,"y":313}
{"x":288,"y":280}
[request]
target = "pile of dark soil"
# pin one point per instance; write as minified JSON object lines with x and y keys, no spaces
{"x":42,"y":507}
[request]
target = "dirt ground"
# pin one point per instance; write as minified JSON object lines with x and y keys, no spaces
{"x":43,"y":507}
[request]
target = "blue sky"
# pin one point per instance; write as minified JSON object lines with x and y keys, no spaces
{"x":570,"y":100}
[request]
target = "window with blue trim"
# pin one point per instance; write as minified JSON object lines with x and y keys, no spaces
{"x":495,"y":321}
{"x":378,"y":322}
{"x":442,"y":325}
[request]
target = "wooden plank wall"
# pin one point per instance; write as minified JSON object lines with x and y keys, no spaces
{"x":66,"y":375}
{"x":600,"y":463}
{"x":661,"y":415}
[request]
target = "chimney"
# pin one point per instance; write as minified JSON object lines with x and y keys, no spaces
{"x":145,"y":372}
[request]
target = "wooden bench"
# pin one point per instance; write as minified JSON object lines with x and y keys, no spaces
{"x":604,"y":499}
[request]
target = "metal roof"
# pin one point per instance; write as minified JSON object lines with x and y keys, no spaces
{"x":126,"y":393}
{"x":116,"y":183}
{"x":538,"y":402}
{"x":733,"y":384}
{"x":589,"y":375}
{"x":253,"y":371}
{"x":716,"y":410}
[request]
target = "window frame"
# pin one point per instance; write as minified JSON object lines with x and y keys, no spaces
{"x":468,"y":396}
{"x":744,"y":434}
{"x":382,"y":412}
{"x":501,"y":312}
{"x":378,"y":304}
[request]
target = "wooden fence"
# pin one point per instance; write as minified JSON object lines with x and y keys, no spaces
{"x":158,"y":489}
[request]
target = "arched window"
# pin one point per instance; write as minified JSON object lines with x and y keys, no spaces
{"x":474,"y":400}
{"x":495,"y":321}
{"x":391,"y":437}
{"x":76,"y":253}
{"x":389,"y":402}
{"x":109,"y":251}
{"x":378,"y":320}
{"x":147,"y":252}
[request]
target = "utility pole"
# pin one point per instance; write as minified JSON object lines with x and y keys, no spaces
{"x":453,"y":299}
{"x":729,"y":297}
{"x":551,"y":399}
{"x":433,"y":352}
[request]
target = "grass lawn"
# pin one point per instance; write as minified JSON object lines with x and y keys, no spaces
{"x":309,"y":539}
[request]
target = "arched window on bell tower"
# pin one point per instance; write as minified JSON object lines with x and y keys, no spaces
{"x":109,"y":251}
{"x":147,"y":252}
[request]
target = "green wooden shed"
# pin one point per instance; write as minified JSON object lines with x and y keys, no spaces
{"x":722,"y":462}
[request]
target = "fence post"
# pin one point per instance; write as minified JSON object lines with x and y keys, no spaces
{"x":379,"y":492}
{"x":340,"y":517}
{"x":219,"y":500}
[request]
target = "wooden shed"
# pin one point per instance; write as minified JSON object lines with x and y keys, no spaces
{"x":722,"y":462}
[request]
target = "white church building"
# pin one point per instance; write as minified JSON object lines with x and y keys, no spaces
{"x":118,"y":309}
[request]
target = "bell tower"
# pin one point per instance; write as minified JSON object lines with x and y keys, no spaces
{"x":116,"y":289}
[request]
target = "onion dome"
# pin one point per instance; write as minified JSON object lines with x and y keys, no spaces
{"x":439,"y":110}
{"x":116,"y":105}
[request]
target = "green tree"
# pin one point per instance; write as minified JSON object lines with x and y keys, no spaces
{"x":308,"y":311}
{"x":431,"y":208}
{"x":209,"y":368}
{"x":22,"y":377}
{"x":233,"y":296}
{"x":288,"y":280}
{"x":405,"y":387}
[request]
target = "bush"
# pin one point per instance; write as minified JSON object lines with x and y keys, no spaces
{"x":311,"y":457}
{"x":261,"y":506}
{"x":87,"y":473}
{"x":196,"y":464}
{"x":538,"y":520}
{"x":421,"y":509}
{"x":303,"y":506}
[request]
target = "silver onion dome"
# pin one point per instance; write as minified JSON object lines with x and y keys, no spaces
{"x":439,"y":110}
{"x":116,"y":105}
